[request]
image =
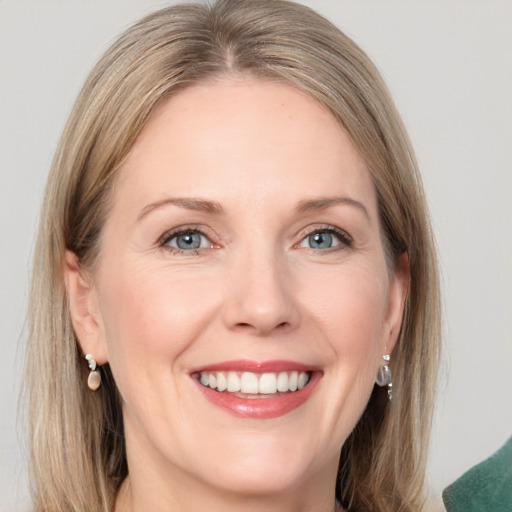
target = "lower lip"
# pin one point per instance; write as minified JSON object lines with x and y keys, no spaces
{"x":261,"y":408}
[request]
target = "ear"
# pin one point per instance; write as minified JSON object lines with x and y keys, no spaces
{"x":84,"y":309}
{"x":396,"y":303}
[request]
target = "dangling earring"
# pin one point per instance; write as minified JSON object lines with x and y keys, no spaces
{"x":94,"y":379}
{"x":384,"y":376}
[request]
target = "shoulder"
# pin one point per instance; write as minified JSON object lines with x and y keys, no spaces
{"x":486,"y":486}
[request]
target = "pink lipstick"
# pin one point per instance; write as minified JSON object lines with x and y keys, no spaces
{"x":259,"y":390}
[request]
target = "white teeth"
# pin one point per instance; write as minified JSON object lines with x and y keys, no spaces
{"x":268,"y":384}
{"x":254,"y":383}
{"x":222,"y":383}
{"x":303,"y":380}
{"x":283,"y":382}
{"x":294,"y":377}
{"x":249,"y":383}
{"x":233,"y":382}
{"x":204,"y":379}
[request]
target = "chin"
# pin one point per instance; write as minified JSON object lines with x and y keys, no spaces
{"x":259,"y":464}
{"x":269,"y":477}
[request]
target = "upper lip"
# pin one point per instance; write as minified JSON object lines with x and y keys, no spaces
{"x":246,"y":365}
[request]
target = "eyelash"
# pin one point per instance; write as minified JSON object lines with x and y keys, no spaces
{"x":184,"y":230}
{"x":344,"y":239}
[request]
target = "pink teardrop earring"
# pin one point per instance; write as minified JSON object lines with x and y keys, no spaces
{"x":94,"y":379}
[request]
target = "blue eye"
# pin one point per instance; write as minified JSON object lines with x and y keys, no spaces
{"x":187,"y":241}
{"x":324,"y":239}
{"x":320,"y":240}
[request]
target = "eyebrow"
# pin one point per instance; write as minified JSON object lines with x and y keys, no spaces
{"x":188,"y":203}
{"x":323,"y":203}
{"x":203,"y":205}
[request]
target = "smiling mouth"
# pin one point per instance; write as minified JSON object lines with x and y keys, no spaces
{"x":257,"y":390}
{"x":254,"y":385}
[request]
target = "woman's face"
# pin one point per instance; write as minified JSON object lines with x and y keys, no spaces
{"x":241,"y":295}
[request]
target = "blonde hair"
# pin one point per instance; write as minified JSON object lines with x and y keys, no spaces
{"x":77,"y":442}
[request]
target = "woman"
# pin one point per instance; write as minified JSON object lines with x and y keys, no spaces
{"x":234,"y":248}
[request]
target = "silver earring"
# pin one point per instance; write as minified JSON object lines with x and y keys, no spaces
{"x":94,"y":379}
{"x":384,"y":376}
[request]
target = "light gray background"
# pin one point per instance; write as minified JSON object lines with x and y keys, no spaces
{"x":449,"y":66}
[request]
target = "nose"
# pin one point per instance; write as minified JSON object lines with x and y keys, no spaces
{"x":260,"y":296}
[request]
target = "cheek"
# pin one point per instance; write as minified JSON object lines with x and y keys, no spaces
{"x":154,"y":314}
{"x":350,"y":311}
{"x":350,"y":305}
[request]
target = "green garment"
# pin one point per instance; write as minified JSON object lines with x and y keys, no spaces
{"x":487,"y":487}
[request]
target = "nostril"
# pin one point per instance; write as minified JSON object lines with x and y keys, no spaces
{"x":247,"y":325}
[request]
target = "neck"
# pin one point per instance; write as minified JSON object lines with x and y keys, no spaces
{"x":177,"y":491}
{"x":133,"y":499}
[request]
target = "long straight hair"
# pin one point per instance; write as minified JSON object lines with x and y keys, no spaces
{"x":78,"y":458}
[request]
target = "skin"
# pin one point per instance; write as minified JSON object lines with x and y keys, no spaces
{"x":256,"y":289}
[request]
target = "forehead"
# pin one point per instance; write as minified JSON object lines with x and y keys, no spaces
{"x":242,"y":137}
